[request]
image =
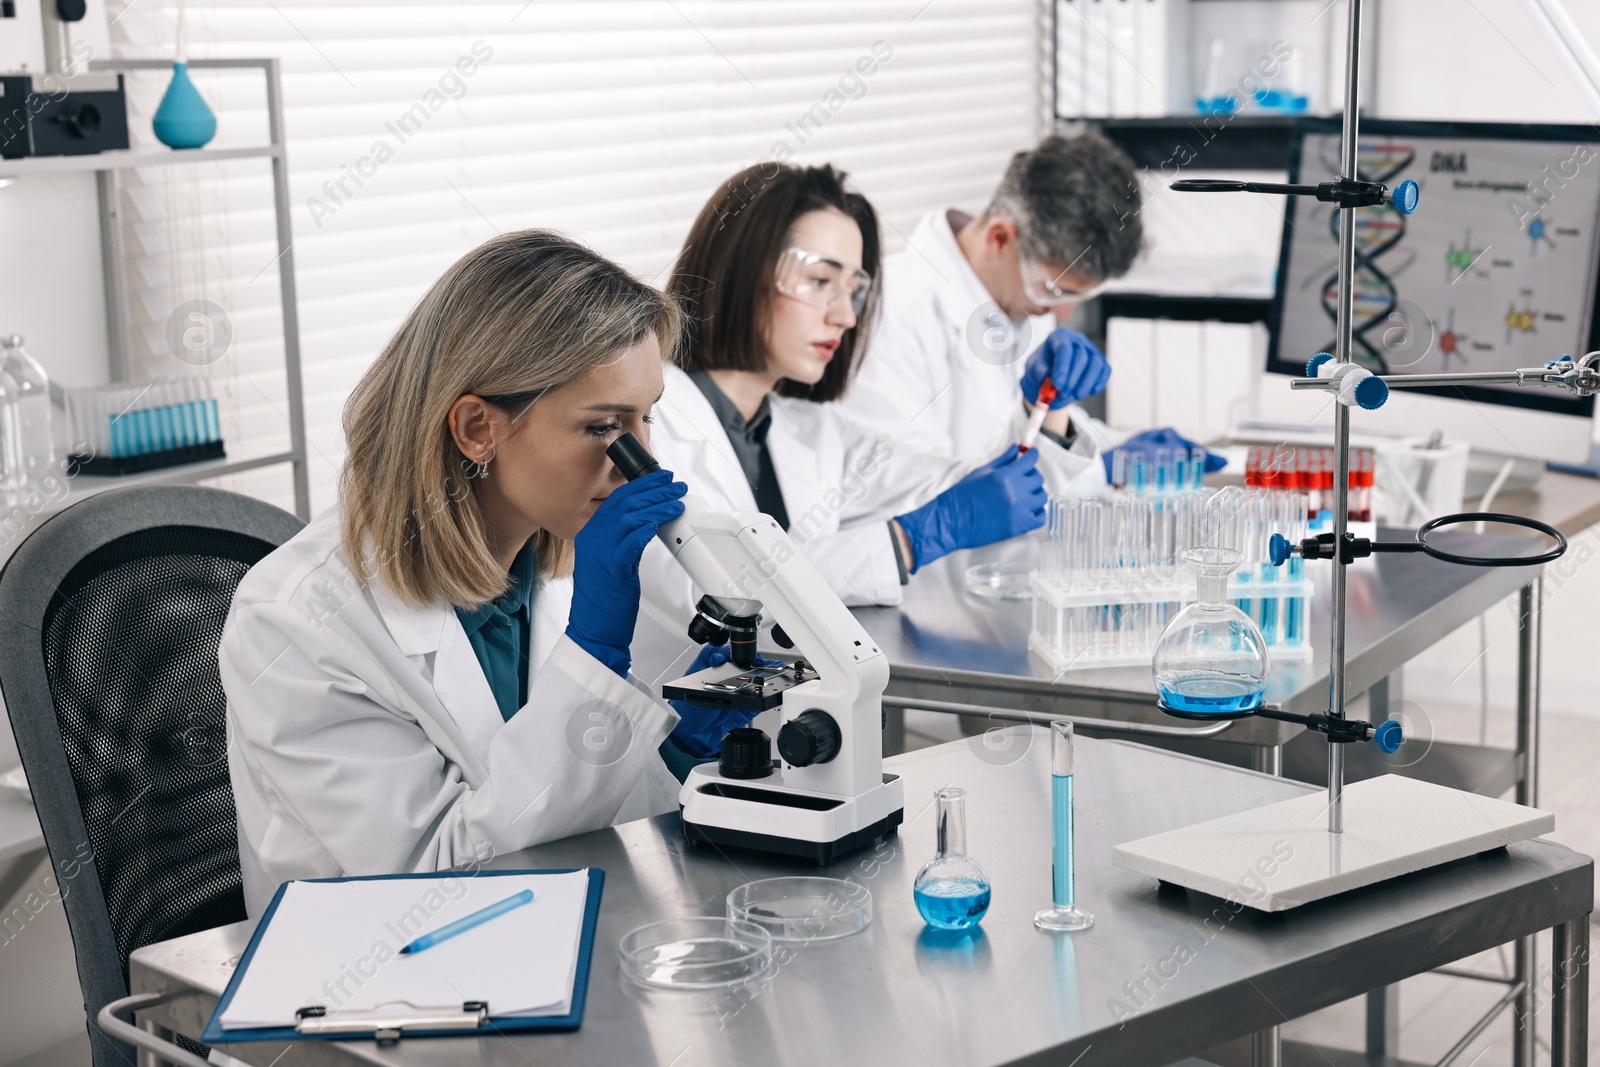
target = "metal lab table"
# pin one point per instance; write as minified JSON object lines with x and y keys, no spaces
{"x":1116,"y":994}
{"x":955,"y":652}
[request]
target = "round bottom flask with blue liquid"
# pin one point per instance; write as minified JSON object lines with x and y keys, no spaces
{"x":951,"y":890}
{"x":1211,"y":661}
{"x":1064,"y":914}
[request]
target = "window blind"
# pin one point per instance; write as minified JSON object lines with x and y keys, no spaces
{"x":418,"y":130}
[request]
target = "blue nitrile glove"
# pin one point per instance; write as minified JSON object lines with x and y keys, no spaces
{"x":1145,"y":445}
{"x":700,"y":728}
{"x":605,"y":572}
{"x":1071,"y":360}
{"x":999,"y":500}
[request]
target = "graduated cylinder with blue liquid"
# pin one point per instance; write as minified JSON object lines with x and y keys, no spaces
{"x":1211,"y":660}
{"x":1064,"y":914}
{"x":951,"y":890}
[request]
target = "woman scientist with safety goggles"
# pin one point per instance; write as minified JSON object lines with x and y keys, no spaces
{"x":778,"y":277}
{"x":412,"y":685}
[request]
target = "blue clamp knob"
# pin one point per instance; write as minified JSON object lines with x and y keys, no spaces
{"x":1315,"y":363}
{"x":1372,"y":392}
{"x":1563,"y":358}
{"x":1405,"y":197}
{"x":1279,"y":549}
{"x":1387,"y":736}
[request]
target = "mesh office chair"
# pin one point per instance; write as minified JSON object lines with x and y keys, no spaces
{"x":112,"y":612}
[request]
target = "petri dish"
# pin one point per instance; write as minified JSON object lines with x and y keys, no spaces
{"x":699,"y":952}
{"x":1000,"y":581}
{"x":803,"y":908}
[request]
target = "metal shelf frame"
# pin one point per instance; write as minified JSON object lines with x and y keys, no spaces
{"x":107,"y":168}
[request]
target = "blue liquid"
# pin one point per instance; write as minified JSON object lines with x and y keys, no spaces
{"x":1269,"y":606}
{"x":1211,"y":694}
{"x":1294,"y":617}
{"x":1061,"y":853}
{"x":953,"y":903}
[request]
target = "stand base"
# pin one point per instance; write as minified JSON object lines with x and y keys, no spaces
{"x":1063,"y":919}
{"x":765,"y":815}
{"x":1281,"y":856}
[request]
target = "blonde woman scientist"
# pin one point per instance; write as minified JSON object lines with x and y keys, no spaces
{"x":412,"y":683}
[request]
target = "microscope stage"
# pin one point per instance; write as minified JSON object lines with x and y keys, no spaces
{"x":732,"y":686}
{"x":1281,"y":856}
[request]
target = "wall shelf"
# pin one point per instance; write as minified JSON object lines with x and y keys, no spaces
{"x":107,"y":168}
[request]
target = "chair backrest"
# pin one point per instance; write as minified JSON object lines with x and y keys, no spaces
{"x":112,"y":611}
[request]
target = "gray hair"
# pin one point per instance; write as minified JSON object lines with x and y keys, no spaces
{"x":1076,"y":203}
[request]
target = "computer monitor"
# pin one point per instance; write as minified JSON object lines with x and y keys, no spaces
{"x":1495,"y":270}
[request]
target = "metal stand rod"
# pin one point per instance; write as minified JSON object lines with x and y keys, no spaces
{"x":1569,"y":1016}
{"x":1341,"y":422}
{"x":1383,"y":1021}
{"x":1524,"y":970}
{"x":1529,"y":618}
{"x":1266,"y":1048}
{"x":1525,"y":951}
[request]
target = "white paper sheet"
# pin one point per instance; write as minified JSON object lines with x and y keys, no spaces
{"x":337,"y":944}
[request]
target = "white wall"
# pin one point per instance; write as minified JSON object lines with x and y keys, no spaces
{"x":50,"y":290}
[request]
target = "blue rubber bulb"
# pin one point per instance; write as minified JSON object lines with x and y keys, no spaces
{"x":1388,"y":736}
{"x":1278,"y":548}
{"x":1315,"y":363}
{"x":1406,"y":196}
{"x":1371,"y":393}
{"x":183,"y":120}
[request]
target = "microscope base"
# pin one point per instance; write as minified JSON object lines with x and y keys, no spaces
{"x":764,"y":815}
{"x":1281,"y":856}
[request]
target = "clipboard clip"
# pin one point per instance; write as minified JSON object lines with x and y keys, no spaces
{"x":388,"y":1022}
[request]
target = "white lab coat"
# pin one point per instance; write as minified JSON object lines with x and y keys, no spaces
{"x":364,"y":739}
{"x":943,"y":369}
{"x":841,"y":483}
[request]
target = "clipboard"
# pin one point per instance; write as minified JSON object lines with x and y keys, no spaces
{"x":388,"y":1025}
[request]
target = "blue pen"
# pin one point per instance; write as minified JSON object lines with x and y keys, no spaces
{"x":477,"y":918}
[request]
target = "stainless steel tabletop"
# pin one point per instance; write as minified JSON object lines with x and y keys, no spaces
{"x":946,"y":644}
{"x":1160,"y":976}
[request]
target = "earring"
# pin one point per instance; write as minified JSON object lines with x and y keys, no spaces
{"x":475,"y":469}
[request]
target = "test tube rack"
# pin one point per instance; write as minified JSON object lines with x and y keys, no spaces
{"x":125,"y":429}
{"x":1112,"y":573}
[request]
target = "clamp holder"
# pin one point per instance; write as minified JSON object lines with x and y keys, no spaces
{"x":1387,"y":735}
{"x":1345,"y":192}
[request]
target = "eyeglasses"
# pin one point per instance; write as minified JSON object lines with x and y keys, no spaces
{"x":1041,"y":289}
{"x":815,"y":279}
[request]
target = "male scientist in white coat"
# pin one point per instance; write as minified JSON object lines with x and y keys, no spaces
{"x":972,"y":305}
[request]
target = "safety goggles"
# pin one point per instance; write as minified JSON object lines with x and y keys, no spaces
{"x":1040,"y":287}
{"x":819,"y":281}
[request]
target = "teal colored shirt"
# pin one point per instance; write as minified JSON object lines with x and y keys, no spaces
{"x":498,"y":632}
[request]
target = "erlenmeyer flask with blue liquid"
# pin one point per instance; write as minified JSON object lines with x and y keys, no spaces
{"x":1211,"y":661}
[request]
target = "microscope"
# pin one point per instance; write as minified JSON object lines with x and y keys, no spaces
{"x":827,"y":794}
{"x":51,"y":104}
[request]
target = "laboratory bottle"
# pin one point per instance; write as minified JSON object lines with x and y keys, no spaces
{"x":37,"y":439}
{"x":1211,"y":659}
{"x":1063,"y":914}
{"x":951,"y":891}
{"x":13,"y":470}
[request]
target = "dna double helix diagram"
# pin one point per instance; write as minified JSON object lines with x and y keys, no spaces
{"x":1378,"y":231}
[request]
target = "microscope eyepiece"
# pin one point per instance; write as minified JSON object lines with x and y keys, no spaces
{"x":631,"y":457}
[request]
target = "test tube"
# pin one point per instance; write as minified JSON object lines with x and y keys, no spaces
{"x":1119,"y":468}
{"x":1197,"y":468}
{"x":1294,"y":617}
{"x":1163,"y":471}
{"x":1277,"y":521}
{"x":1064,"y":915}
{"x":1139,"y":482}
